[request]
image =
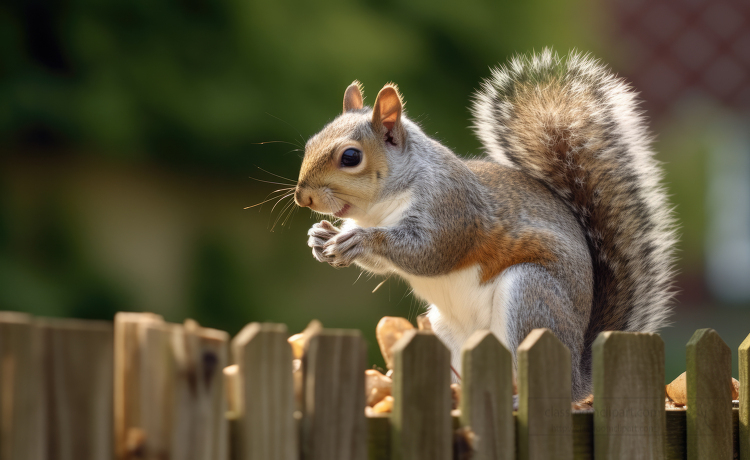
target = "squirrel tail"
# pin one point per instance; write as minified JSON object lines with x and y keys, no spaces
{"x":576,"y":127}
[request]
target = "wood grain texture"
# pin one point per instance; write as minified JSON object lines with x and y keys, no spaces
{"x":76,"y":381}
{"x":583,"y":435}
{"x":334,"y":426}
{"x":629,"y":417}
{"x":421,"y":420}
{"x":158,"y":374}
{"x":709,"y":408}
{"x":127,"y":382}
{"x":544,"y":412}
{"x":21,"y":428}
{"x":172,"y":402}
{"x":744,"y":378}
{"x":207,"y":353}
{"x":487,"y":396}
{"x":265,"y":427}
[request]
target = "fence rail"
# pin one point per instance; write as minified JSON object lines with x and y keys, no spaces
{"x":142,"y":388}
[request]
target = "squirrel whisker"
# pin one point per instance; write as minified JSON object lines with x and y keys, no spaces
{"x":291,"y":202}
{"x":280,"y":177}
{"x":270,"y":182}
{"x":269,"y":199}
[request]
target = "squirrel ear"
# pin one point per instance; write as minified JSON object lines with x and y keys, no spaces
{"x":353,"y":97}
{"x":387,"y":114}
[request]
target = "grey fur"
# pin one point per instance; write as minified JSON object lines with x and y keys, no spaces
{"x":571,"y":206}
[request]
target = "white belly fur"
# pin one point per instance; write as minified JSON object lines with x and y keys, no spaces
{"x":460,"y":305}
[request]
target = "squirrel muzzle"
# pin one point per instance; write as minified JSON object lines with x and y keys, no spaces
{"x":303,"y":198}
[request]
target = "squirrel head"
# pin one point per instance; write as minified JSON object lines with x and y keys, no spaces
{"x":346,"y":164}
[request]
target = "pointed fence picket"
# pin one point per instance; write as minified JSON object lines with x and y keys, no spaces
{"x":334,"y":426}
{"x":487,"y":396}
{"x":147,"y":389}
{"x":545,"y":424}
{"x":421,"y":419}
{"x":265,"y":404}
{"x":709,"y":413}
{"x":629,"y":415}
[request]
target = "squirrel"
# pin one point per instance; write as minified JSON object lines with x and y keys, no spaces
{"x":563,"y":225}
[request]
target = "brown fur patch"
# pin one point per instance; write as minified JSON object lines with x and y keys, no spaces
{"x":496,"y":251}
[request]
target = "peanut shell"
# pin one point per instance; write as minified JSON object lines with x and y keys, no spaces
{"x":388,"y":331}
{"x":377,"y":386}
{"x":386,"y":405}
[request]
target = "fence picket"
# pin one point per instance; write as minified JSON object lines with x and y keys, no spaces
{"x":265,"y":427}
{"x":77,"y":388}
{"x":127,"y":382}
{"x":159,"y":374}
{"x":629,"y":416}
{"x":487,"y":396}
{"x":709,"y":405}
{"x":744,"y":378}
{"x":171,"y":400}
{"x":206,"y":353}
{"x":20,"y":406}
{"x":545,"y":426}
{"x":421,"y":421}
{"x":334,"y":426}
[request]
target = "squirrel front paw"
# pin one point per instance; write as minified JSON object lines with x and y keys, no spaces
{"x":319,"y":234}
{"x":342,"y":249}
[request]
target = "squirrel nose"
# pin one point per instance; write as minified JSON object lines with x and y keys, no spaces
{"x":302,"y":198}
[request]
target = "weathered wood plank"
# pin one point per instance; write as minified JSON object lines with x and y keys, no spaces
{"x":171,"y":402}
{"x":334,"y":426}
{"x":744,"y":378}
{"x":629,"y":417}
{"x":76,"y":385}
{"x":265,"y":427}
{"x":487,"y":396}
{"x":128,"y":435}
{"x":158,"y":374}
{"x":544,"y":412}
{"x":21,"y":429}
{"x":207,"y":434}
{"x":421,"y":419}
{"x":709,"y":407}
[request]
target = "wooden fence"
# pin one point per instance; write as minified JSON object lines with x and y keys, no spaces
{"x":142,"y":388}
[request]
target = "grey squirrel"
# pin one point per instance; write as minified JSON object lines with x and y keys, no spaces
{"x":564,"y":225}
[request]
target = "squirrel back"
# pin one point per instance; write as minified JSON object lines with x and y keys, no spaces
{"x":574,"y":126}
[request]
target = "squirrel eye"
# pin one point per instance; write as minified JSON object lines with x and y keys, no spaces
{"x":351,"y":157}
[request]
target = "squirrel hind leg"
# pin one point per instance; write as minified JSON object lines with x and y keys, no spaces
{"x":528,"y":298}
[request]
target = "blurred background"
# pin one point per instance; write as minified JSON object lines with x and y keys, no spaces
{"x":134,"y":133}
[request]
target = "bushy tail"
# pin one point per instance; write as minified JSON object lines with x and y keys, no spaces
{"x":573,"y":125}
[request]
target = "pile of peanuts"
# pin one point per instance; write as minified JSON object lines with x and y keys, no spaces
{"x":676,"y":392}
{"x":377,"y":385}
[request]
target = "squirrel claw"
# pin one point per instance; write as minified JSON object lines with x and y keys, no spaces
{"x":320,"y":235}
{"x":343,"y":248}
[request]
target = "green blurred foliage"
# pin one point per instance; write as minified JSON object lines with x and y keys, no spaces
{"x":189,"y":88}
{"x":192,"y":82}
